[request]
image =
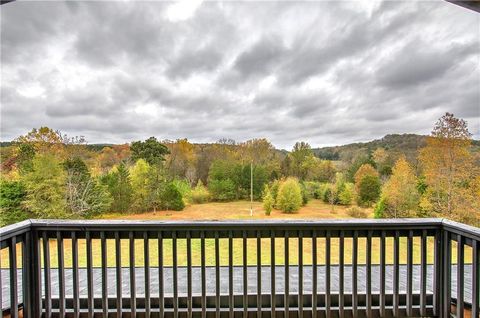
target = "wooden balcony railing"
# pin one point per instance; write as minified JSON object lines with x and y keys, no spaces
{"x":304,"y":269}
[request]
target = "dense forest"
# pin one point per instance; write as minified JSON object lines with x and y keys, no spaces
{"x":46,"y":174}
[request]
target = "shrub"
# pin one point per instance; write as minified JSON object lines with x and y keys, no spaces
{"x":379,"y":209}
{"x":356,"y":212}
{"x":172,"y":198}
{"x":199,"y":194}
{"x":346,"y":195}
{"x":274,"y":190}
{"x":320,"y":192}
{"x":305,"y":194}
{"x":222,"y":189}
{"x":311,"y":188}
{"x":289,"y":198}
{"x":267,"y":200}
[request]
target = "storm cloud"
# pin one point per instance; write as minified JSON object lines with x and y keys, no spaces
{"x":325,"y":72}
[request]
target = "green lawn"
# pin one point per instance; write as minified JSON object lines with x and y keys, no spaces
{"x":239,"y":210}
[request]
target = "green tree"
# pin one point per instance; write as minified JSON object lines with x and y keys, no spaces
{"x":139,"y":176}
{"x":120,"y":188}
{"x":267,"y":200}
{"x":172,"y":198}
{"x":222,"y":189}
{"x":12,"y":195}
{"x":289,"y":198}
{"x":45,"y":186}
{"x":346,"y":194}
{"x":25,"y":155}
{"x":151,"y":150}
{"x":368,"y":190}
{"x":302,"y":160}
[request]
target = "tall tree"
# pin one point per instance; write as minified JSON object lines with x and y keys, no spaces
{"x":140,"y":175}
{"x":448,"y":167}
{"x":302,"y":160}
{"x":120,"y":188}
{"x":85,"y":197}
{"x":45,"y":186}
{"x":367,"y":185}
{"x":400,"y":191}
{"x":151,"y":150}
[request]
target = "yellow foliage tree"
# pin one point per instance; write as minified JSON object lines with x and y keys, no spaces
{"x":449,"y":170}
{"x":400,"y":191}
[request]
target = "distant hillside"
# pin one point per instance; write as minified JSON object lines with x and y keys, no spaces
{"x":407,"y":144}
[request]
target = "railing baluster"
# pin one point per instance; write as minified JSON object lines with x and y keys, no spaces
{"x":118,"y":270}
{"x":161,"y":285}
{"x":396,"y":274}
{"x":89,"y":275}
{"x":217,"y":276}
{"x":287,"y":276}
{"x":103,"y":243}
{"x":202,"y":260}
{"x":46,"y":275}
{"x":189,"y":274}
{"x":423,"y":275}
{"x":76,"y":287}
{"x":133,"y":296}
{"x":475,"y":279}
{"x":409,"y":272}
{"x":354,"y":273}
{"x":447,"y":263}
{"x":259,"y":275}
{"x":146,"y":266}
{"x":437,"y":276}
{"x":272,"y":274}
{"x":382,"y":274}
{"x":36,"y":275}
{"x":245,"y":277}
{"x":231,"y":304}
{"x":175,"y":274}
{"x":13,"y":278}
{"x":369,"y":273}
{"x":328,"y":298}
{"x":460,"y":276}
{"x":314,"y":274}
{"x":26,"y":278}
{"x":61,"y":274}
{"x":341,"y":274}
{"x":300,"y":274}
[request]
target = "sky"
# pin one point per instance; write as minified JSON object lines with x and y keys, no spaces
{"x":324,"y":72}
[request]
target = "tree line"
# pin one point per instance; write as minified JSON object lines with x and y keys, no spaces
{"x":46,"y":174}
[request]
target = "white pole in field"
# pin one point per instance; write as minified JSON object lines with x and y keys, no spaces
{"x":251,"y":188}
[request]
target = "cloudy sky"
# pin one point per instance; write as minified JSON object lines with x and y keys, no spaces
{"x":324,"y":72}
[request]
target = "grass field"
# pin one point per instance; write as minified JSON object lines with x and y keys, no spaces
{"x":315,"y":209}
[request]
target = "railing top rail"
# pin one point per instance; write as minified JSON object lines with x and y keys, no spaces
{"x":462,"y":229}
{"x":9,"y":231}
{"x":241,"y":224}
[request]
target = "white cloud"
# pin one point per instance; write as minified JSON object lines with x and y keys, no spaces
{"x":182,"y":10}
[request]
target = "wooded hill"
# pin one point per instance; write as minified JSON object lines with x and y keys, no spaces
{"x":408,"y":144}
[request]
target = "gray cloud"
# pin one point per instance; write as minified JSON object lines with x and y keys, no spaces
{"x":327,"y":73}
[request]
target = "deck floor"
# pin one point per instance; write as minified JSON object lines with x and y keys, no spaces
{"x":238,"y":280}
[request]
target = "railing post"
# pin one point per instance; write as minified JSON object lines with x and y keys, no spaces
{"x":33,"y":275}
